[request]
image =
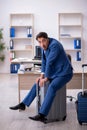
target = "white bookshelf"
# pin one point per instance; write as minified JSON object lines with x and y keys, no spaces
{"x":23,"y":40}
{"x":70,"y":29}
{"x":21,"y":23}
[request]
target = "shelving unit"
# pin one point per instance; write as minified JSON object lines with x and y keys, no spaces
{"x":70,"y":35}
{"x":21,"y":36}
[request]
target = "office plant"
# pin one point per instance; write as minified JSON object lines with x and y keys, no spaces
{"x":2,"y":46}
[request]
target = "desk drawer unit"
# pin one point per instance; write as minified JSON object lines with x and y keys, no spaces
{"x":26,"y":81}
{"x":76,"y":81}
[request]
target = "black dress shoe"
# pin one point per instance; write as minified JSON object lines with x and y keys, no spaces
{"x":38,"y":118}
{"x":20,"y":106}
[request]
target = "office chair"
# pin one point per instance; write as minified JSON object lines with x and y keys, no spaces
{"x":70,"y":97}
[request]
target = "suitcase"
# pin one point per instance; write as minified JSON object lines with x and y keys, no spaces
{"x":81,"y":103}
{"x":58,"y":108}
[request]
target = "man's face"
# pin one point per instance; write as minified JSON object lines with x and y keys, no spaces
{"x":43,"y":42}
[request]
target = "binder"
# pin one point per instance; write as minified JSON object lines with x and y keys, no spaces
{"x":77,"y":43}
{"x":78,"y":55}
{"x":14,"y":68}
{"x":29,"y":31}
{"x":11,"y":44}
{"x":12,"y":32}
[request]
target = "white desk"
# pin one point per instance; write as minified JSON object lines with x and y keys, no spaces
{"x":26,"y":80}
{"x":76,"y":81}
{"x":26,"y":60}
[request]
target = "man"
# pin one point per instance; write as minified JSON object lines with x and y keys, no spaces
{"x":56,"y":68}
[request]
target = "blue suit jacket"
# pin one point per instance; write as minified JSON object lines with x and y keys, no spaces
{"x":54,"y":60}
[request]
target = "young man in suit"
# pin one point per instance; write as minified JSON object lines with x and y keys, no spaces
{"x":56,"y":68}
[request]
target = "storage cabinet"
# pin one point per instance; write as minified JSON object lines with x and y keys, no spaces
{"x":70,"y":35}
{"x":21,"y":36}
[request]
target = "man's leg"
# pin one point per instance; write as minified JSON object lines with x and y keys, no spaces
{"x":30,"y":96}
{"x":27,"y":100}
{"x":55,"y":85}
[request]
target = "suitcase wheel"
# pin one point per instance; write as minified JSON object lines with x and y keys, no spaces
{"x":71,"y":99}
{"x":80,"y":122}
{"x":64,"y":118}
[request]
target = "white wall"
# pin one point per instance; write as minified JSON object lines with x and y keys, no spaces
{"x":45,"y":18}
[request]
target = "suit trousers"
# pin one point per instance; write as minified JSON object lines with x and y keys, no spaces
{"x":55,"y":84}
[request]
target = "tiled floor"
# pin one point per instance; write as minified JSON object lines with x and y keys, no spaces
{"x":15,"y":120}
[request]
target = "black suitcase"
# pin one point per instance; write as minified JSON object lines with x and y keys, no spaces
{"x":81,"y":103}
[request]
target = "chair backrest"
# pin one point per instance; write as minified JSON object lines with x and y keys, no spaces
{"x":69,"y":57}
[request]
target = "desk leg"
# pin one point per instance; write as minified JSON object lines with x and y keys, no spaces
{"x":18,"y":95}
{"x":19,"y":89}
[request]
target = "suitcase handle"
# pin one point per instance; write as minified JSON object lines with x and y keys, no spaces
{"x":83,"y":82}
{"x":83,"y":65}
{"x":37,"y":97}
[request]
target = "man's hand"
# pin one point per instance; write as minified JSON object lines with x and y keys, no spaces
{"x":42,"y":82}
{"x":39,"y":78}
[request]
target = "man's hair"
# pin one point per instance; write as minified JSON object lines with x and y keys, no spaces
{"x":42,"y":35}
